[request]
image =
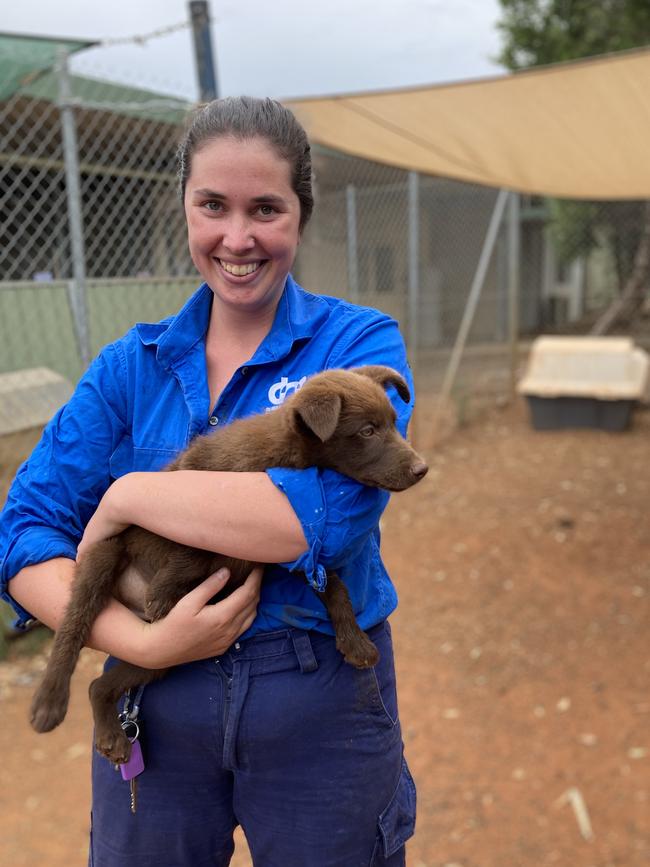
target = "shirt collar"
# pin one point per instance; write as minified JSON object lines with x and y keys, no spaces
{"x":298,"y":316}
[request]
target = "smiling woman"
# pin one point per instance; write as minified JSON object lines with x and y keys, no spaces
{"x":243,"y":220}
{"x":261,"y":723}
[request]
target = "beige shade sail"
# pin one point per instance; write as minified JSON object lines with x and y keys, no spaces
{"x":577,"y":130}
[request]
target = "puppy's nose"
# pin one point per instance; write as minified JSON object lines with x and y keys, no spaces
{"x":419,"y":469}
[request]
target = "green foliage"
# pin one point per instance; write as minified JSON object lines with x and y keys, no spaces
{"x":579,"y":227}
{"x":538,"y":32}
{"x":573,"y":228}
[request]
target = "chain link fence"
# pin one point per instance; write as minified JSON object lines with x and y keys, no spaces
{"x":93,"y":240}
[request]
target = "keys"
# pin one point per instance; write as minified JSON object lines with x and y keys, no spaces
{"x":135,"y":765}
{"x":133,"y":789}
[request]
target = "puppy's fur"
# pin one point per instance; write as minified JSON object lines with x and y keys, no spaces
{"x":339,"y":419}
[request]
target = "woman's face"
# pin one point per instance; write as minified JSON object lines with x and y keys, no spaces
{"x":243,"y":221}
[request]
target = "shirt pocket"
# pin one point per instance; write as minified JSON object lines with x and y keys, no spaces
{"x":129,"y":458}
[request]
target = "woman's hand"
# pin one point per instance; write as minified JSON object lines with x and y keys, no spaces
{"x":194,"y":629}
{"x":104,"y":523}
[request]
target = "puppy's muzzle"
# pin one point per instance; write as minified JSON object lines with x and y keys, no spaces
{"x":419,"y":469}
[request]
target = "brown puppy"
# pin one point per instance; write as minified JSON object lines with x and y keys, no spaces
{"x":340,"y":419}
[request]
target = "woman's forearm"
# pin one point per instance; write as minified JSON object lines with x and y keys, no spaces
{"x":192,"y":630}
{"x":238,"y":514}
{"x":44,"y":591}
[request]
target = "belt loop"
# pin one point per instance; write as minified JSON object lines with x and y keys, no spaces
{"x":304,"y":651}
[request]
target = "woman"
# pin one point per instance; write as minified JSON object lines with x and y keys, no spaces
{"x":260,"y":723}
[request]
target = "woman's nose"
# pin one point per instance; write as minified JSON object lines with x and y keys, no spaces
{"x":238,"y":235}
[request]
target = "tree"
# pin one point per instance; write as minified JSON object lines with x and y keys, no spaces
{"x":540,"y":32}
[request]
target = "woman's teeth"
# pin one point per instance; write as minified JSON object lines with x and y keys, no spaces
{"x":239,"y":270}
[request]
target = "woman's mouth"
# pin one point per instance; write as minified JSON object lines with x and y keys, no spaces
{"x":241,"y":270}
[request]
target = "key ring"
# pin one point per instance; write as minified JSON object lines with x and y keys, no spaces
{"x":126,"y":725}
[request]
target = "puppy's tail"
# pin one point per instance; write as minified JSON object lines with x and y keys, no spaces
{"x":92,"y":588}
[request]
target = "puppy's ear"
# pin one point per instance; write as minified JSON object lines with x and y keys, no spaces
{"x":386,"y":376}
{"x":319,"y":412}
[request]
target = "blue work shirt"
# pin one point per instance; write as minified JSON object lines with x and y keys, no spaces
{"x":146,"y":396}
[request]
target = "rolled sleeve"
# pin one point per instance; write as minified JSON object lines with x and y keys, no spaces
{"x":336,"y":514}
{"x":34,"y":545}
{"x":57,"y":489}
{"x":304,"y":491}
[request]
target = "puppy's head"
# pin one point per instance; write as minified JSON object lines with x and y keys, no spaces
{"x":348,"y":424}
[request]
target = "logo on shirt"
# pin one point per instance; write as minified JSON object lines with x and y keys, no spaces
{"x":280,"y":391}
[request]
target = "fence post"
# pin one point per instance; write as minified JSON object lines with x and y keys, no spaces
{"x":200,"y":19}
{"x":412,"y":339}
{"x":76,"y":286}
{"x":514,"y":277}
{"x":353,"y":246}
{"x":413,"y":264}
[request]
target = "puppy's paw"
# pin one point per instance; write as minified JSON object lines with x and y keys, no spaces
{"x":113,"y":745}
{"x":48,"y":709}
{"x":156,"y":609}
{"x":360,"y":652}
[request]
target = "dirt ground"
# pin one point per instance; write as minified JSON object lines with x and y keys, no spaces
{"x":523,"y":654}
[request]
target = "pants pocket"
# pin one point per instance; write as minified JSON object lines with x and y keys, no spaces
{"x":397,"y":822}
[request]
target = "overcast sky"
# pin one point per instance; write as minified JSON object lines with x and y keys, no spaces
{"x":279,"y":48}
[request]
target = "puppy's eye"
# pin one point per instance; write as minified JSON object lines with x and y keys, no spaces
{"x":367,"y":431}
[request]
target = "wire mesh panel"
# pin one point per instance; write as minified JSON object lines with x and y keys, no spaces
{"x":133,"y":241}
{"x":33,"y":228}
{"x":356,"y":244}
{"x":36,"y":328}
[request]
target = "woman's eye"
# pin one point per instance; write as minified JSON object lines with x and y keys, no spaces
{"x":367,"y":431}
{"x":266,"y":210}
{"x":213,"y":206}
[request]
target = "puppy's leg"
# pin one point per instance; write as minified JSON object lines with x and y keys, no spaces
{"x":184,"y":569}
{"x":91,"y":590}
{"x":357,"y":649}
{"x":105,"y":692}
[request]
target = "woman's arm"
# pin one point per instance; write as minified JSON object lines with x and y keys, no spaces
{"x":192,"y":630}
{"x":242,"y":515}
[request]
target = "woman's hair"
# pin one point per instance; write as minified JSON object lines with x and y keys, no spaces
{"x":247,"y":117}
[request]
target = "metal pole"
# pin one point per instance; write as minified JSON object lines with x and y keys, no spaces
{"x":77,"y":286}
{"x":514,"y":276}
{"x":353,"y":249}
{"x":474,"y":295}
{"x":413,"y":286}
{"x":205,"y":70}
{"x":413,"y":264}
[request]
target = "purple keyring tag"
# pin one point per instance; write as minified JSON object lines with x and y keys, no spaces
{"x":135,"y":764}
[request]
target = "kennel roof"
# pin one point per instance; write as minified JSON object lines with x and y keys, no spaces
{"x":30,"y":397}
{"x":604,"y":368}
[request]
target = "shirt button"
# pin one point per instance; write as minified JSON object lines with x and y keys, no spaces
{"x":244,"y":371}
{"x":237,"y":646}
{"x":213,"y":420}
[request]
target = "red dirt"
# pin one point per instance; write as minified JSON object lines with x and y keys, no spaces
{"x":523,"y":567}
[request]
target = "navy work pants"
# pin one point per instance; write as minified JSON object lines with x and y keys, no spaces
{"x":279,"y":735}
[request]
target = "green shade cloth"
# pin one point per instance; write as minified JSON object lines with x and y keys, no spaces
{"x":24,"y":58}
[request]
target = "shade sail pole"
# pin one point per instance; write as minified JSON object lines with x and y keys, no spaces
{"x":472,"y":301}
{"x":514,"y":276}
